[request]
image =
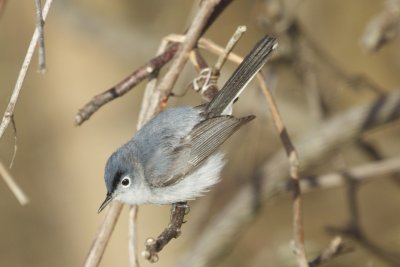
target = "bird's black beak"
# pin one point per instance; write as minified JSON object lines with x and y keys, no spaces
{"x":105,"y":202}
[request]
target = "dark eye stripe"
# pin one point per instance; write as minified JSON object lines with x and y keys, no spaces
{"x":116,"y":179}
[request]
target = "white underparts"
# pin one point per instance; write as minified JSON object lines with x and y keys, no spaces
{"x":190,"y":187}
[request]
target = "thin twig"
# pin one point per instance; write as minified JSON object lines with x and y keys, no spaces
{"x":294,"y":174}
{"x":336,"y":248}
{"x":39,"y":26}
{"x":25,"y":65}
{"x":153,"y":246}
{"x":229,"y":47}
{"x":15,"y":189}
{"x":132,"y":236}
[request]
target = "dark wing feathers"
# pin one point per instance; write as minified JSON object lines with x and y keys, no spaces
{"x":204,"y":139}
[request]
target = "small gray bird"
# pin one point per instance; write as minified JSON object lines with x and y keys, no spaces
{"x":175,"y":157}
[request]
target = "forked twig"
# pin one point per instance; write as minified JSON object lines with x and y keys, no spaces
{"x":8,"y":114}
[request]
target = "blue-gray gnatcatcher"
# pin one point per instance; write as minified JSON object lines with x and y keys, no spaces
{"x":174,"y":157}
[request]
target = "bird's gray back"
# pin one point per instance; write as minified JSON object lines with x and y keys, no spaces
{"x":156,"y":140}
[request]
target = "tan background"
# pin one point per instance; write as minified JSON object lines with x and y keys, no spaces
{"x":90,"y":45}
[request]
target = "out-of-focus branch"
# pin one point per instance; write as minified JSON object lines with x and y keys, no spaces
{"x":336,"y":248}
{"x":312,"y":146}
{"x":15,"y":189}
{"x":9,"y":113}
{"x":360,"y":173}
{"x":354,"y":230}
{"x":383,"y":28}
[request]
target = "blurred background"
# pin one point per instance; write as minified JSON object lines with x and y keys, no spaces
{"x":91,"y":45}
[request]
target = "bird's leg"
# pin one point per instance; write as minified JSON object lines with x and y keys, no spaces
{"x":173,"y":230}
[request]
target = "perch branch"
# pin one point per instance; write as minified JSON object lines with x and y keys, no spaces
{"x":9,"y":113}
{"x":153,"y":246}
{"x":17,"y":191}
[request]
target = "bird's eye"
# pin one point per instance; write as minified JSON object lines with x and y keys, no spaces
{"x":126,"y":181}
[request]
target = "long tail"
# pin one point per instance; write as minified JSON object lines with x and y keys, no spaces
{"x":244,"y":73}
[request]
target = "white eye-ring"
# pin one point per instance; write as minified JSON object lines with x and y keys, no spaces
{"x":126,"y":181}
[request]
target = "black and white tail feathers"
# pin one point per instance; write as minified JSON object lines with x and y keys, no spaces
{"x":244,"y":73}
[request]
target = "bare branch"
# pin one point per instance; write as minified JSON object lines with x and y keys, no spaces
{"x":126,"y":84}
{"x":294,"y":174}
{"x":25,"y":65}
{"x":153,"y":246}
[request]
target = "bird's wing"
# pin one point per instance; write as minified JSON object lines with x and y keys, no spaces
{"x":197,"y":146}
